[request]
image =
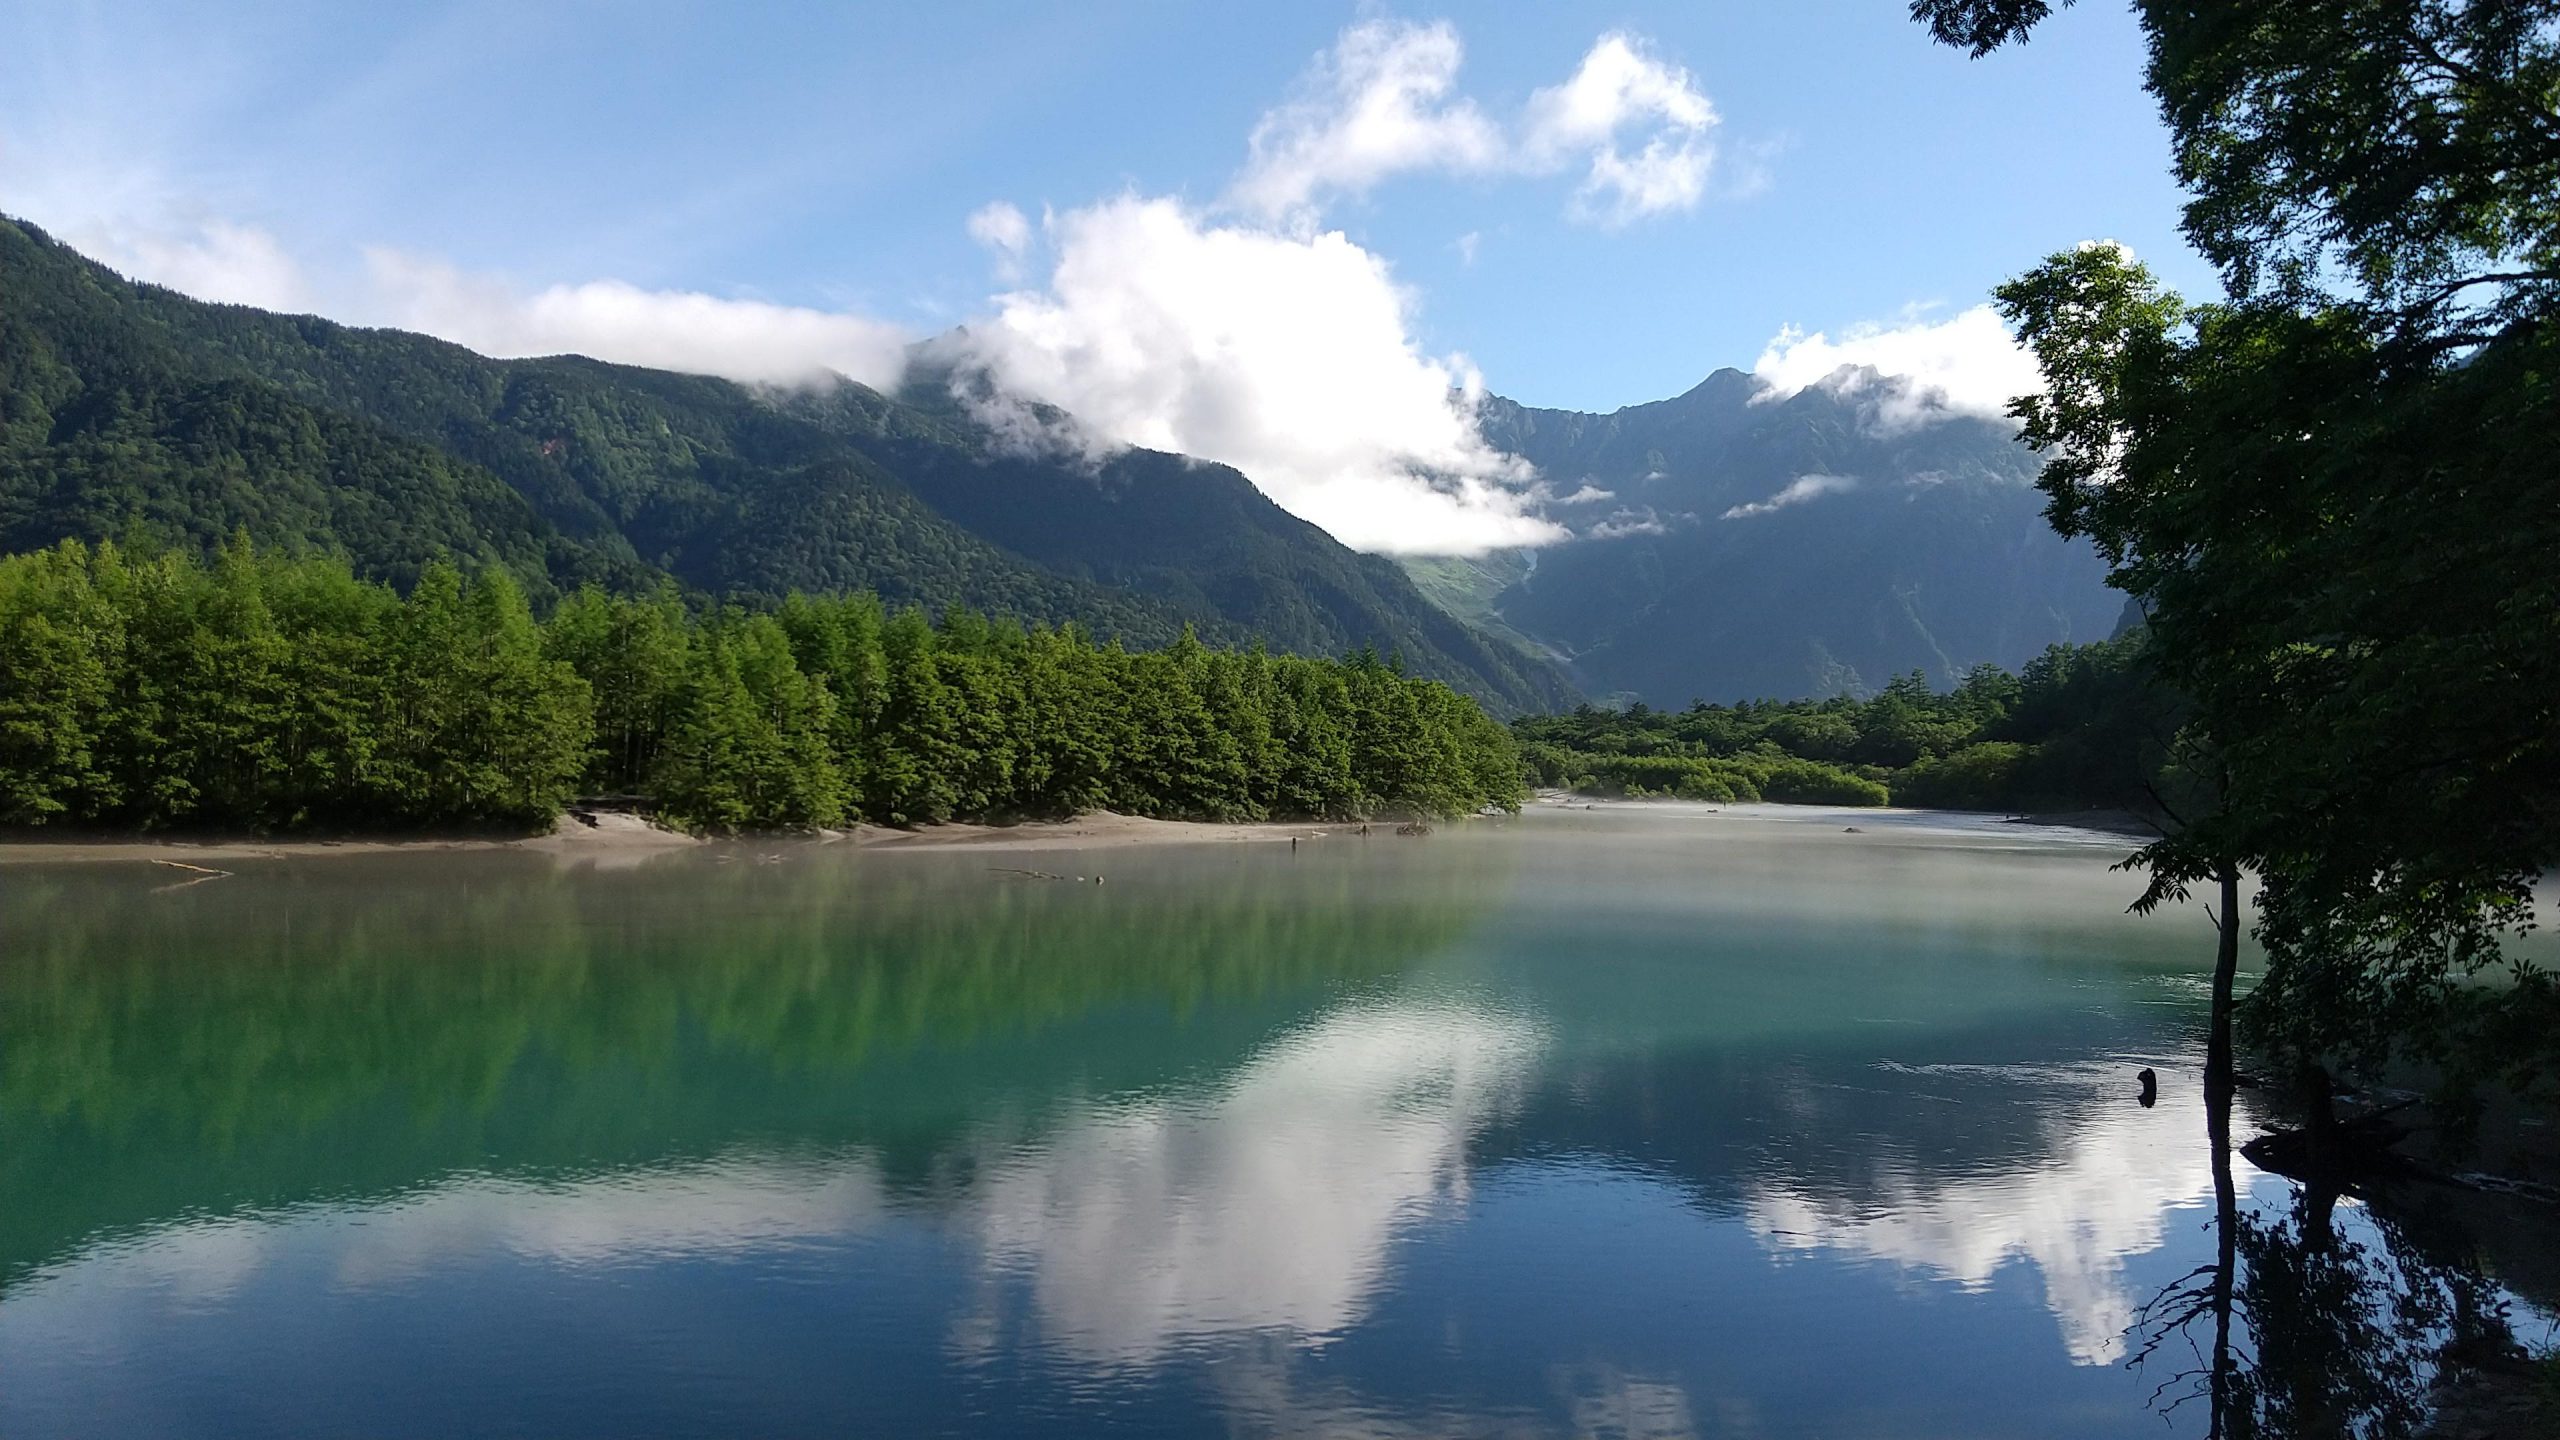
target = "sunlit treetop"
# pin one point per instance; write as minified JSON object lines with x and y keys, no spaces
{"x":2399,"y":155}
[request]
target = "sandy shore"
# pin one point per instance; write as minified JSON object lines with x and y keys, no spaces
{"x":2113,"y":822}
{"x":611,"y":834}
{"x":614,"y":836}
{"x":2110,"y":822}
{"x":1101,"y":829}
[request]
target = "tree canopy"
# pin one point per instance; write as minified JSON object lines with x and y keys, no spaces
{"x":2334,"y":493}
{"x":2080,"y":727}
{"x":272,"y":693}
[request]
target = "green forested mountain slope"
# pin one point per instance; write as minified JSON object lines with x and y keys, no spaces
{"x":109,"y":426}
{"x":196,"y":461}
{"x":1468,"y":585}
{"x":1194,"y":534}
{"x":1746,"y":547}
{"x":125,"y":406}
{"x":625,"y":474}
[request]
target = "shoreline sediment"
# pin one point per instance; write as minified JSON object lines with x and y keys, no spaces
{"x":624,"y":835}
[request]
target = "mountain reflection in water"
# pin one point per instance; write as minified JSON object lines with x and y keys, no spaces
{"x":1625,"y":1123}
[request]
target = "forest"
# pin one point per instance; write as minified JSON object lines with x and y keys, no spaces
{"x":2080,"y":727}
{"x":271,"y":692}
{"x":132,"y":413}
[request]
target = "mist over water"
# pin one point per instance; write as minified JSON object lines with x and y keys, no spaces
{"x":1644,"y":1121}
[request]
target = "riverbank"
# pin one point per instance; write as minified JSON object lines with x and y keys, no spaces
{"x":620,"y":835}
{"x":611,"y":834}
{"x":1104,"y":829}
{"x":600,"y":833}
{"x":2109,"y":823}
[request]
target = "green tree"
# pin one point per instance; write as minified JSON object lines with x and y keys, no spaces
{"x":273,"y":691}
{"x":332,"y":628}
{"x":913,"y":755}
{"x":837,"y":642}
{"x":751,"y":748}
{"x":1308,"y":730}
{"x":1066,"y":735}
{"x":2334,"y":495}
{"x":59,"y":640}
{"x":636,"y":656}
{"x":482,"y":727}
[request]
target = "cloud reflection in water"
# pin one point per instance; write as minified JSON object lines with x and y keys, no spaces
{"x":1271,"y":1200}
{"x":2116,"y":1172}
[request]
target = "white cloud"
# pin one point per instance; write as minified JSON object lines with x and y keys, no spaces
{"x":745,"y":340}
{"x":1002,"y":228}
{"x":1616,"y":82}
{"x":1377,"y":105}
{"x":1383,"y":102}
{"x":1287,"y":356}
{"x":1664,"y":175}
{"x":1963,"y":365}
{"x":1619,"y":84}
{"x":753,"y":341}
{"x":1628,"y":520}
{"x":1286,"y":350}
{"x":214,"y":260}
{"x":1798,"y":491}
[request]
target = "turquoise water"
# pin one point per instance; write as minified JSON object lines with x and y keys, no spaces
{"x":1645,"y":1121}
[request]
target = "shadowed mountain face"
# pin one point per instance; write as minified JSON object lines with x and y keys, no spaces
{"x":1738,"y":547}
{"x":1188,"y":533}
{"x":130,"y":410}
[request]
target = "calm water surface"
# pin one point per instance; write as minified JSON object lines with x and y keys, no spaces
{"x":1650,"y":1121}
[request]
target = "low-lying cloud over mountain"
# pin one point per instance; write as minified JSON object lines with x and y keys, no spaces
{"x":1241,"y":329}
{"x":1908,"y":374}
{"x":1745,"y":540}
{"x":1246,"y":333}
{"x":748,"y":340}
{"x":1289,"y":357}
{"x":745,"y":340}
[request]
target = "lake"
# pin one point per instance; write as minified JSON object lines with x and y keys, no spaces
{"x":1648,"y":1120}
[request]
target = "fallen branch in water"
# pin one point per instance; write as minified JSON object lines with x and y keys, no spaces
{"x":202,"y":874}
{"x":1039,"y":874}
{"x":209,"y":874}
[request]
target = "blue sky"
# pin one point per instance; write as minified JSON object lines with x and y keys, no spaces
{"x":465,"y":168}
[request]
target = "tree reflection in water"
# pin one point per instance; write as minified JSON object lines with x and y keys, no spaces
{"x":2303,"y":1329}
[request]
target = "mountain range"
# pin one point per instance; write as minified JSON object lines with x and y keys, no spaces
{"x":1738,"y":543}
{"x":128,"y":410}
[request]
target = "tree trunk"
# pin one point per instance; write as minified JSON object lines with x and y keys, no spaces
{"x":2226,"y":967}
